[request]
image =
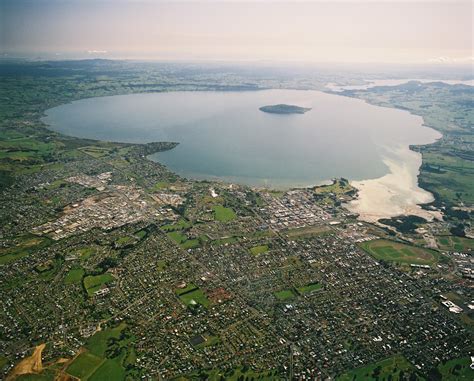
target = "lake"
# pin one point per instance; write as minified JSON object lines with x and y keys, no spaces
{"x":224,"y":135}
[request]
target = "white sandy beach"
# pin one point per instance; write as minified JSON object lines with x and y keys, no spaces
{"x":396,"y":193}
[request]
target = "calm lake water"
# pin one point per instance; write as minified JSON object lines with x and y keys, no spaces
{"x":224,"y":135}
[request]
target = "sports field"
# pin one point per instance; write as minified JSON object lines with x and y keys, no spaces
{"x":223,"y":214}
{"x":391,"y":251}
{"x":192,"y":295}
{"x":93,"y":283}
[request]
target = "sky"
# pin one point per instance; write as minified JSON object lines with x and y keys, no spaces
{"x":307,"y":31}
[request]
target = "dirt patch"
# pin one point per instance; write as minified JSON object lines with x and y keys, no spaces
{"x":31,"y":364}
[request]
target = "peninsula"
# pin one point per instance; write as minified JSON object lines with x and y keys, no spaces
{"x":284,"y":109}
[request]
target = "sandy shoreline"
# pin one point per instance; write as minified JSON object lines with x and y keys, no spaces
{"x":394,"y":194}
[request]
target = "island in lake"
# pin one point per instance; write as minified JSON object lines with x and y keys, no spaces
{"x":284,"y":109}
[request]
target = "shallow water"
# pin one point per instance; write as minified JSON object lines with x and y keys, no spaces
{"x":224,"y":135}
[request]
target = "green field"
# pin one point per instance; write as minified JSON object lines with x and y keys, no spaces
{"x":3,"y":362}
{"x":309,"y":288}
{"x":284,"y":295}
{"x":160,"y":186}
{"x":24,"y":148}
{"x":45,"y":266}
{"x":457,"y":370}
{"x":190,"y":244}
{"x":125,"y":240}
{"x":452,"y":243}
{"x":385,"y":370}
{"x":141,"y":234}
{"x":338,"y":186}
{"x":196,"y":296}
{"x":131,"y":358}
{"x":192,"y":295}
{"x":177,"y":236}
{"x":183,"y":240}
{"x":86,"y":253}
{"x":94,"y":364}
{"x":14,"y":255}
{"x":256,"y":250}
{"x":209,"y":341}
{"x":307,"y":231}
{"x":94,"y":151}
{"x":333,"y":193}
{"x":84,"y":365}
{"x":391,"y":251}
{"x":453,"y":177}
{"x":225,"y":241}
{"x":161,"y":265}
{"x":179,"y":225}
{"x":43,"y":376}
{"x":97,"y":344}
{"x":184,"y":290}
{"x":93,"y":283}
{"x":223,"y":214}
{"x":110,"y":370}
{"x":74,"y":276}
{"x":27,"y":244}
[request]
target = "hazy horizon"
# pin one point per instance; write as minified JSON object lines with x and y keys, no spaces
{"x":403,"y":32}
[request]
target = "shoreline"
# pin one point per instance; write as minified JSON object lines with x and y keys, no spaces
{"x":397,"y":193}
{"x":381,"y":189}
{"x":394,"y":194}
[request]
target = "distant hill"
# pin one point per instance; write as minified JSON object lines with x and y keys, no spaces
{"x":284,"y":109}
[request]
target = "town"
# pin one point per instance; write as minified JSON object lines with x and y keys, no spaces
{"x":114,"y":267}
